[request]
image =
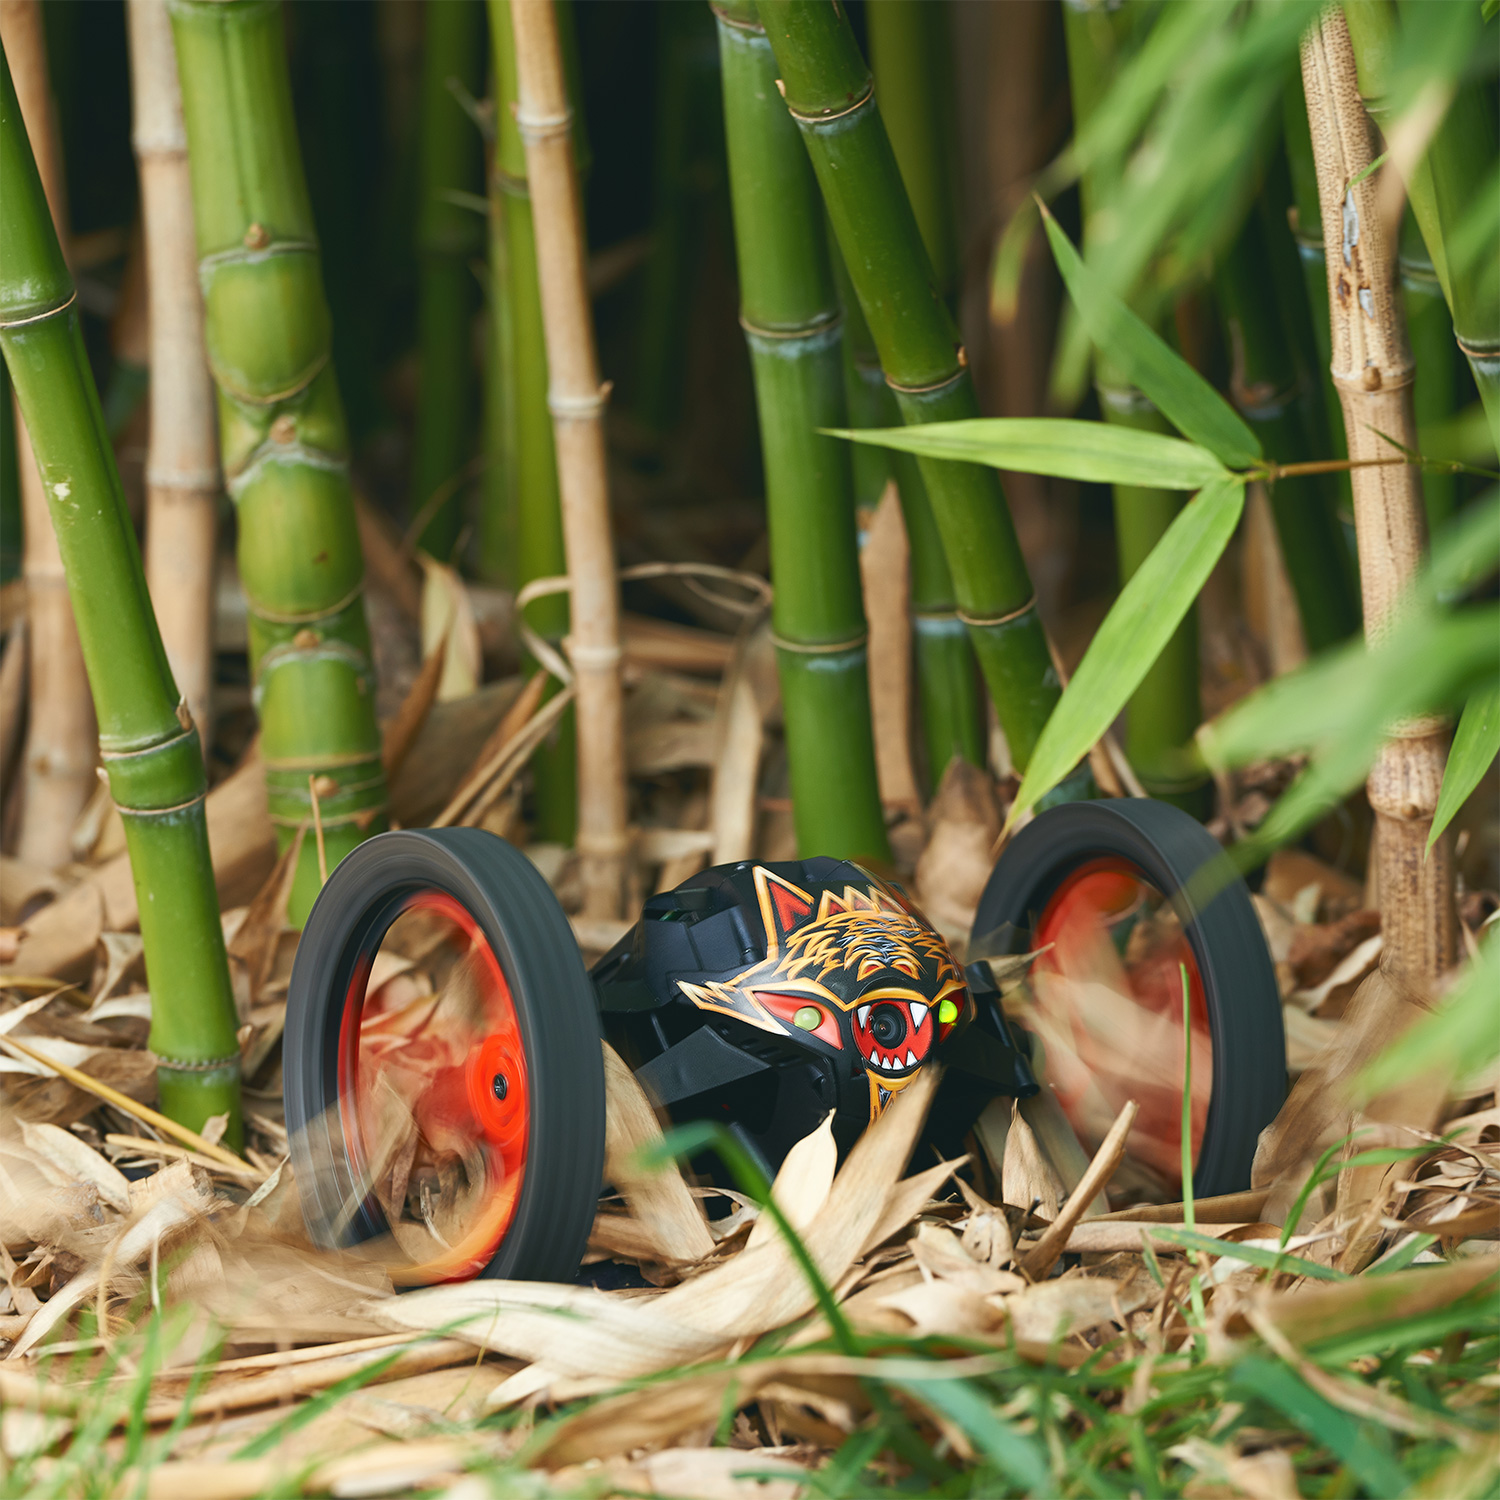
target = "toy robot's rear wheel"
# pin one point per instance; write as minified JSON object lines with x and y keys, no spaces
{"x":1108,"y":891}
{"x":444,"y":1083}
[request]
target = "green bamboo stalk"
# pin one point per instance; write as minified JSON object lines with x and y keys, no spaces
{"x":10,"y":486}
{"x":1166,"y":709}
{"x":532,"y":459}
{"x":950,"y":699}
{"x":911,"y":56}
{"x":1451,"y":180}
{"x":1307,"y":230}
{"x":831,"y":96}
{"x":147,"y":739}
{"x":495,"y":555}
{"x":685,"y":170}
{"x":282,"y":436}
{"x":1276,"y":396}
{"x":449,"y":237}
{"x":789,"y":311}
{"x":1429,"y":330}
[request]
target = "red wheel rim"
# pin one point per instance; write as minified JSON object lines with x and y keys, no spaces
{"x":1107,"y":1007}
{"x":433,"y":1089}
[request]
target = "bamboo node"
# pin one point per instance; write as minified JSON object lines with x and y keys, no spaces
{"x":209,"y":1065}
{"x":257,"y":237}
{"x":821,"y":648}
{"x":537,"y":128}
{"x":1370,"y":378}
{"x":306,"y":639}
{"x":574,"y":408}
{"x":989,"y":622}
{"x":927,"y":390}
{"x":41,"y":317}
{"x":602,"y":845}
{"x":283,"y":430}
{"x":592,"y":658}
{"x":819,"y":117}
{"x":272,"y":617}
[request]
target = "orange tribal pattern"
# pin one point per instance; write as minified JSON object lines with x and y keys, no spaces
{"x":859,"y":969}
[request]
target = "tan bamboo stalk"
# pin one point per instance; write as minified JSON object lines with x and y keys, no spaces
{"x":576,"y":399}
{"x":1372,"y":370}
{"x":62,"y":739}
{"x":182,"y":460}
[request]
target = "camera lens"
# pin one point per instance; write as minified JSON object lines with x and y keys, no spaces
{"x":887,"y":1025}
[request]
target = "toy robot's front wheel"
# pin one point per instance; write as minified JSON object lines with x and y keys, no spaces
{"x":1120,"y":899}
{"x":444,"y":1082}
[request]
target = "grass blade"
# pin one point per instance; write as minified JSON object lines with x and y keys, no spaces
{"x":1270,"y":1260}
{"x":1181,"y":394}
{"x":1090,"y":451}
{"x":1356,"y":1444}
{"x":1012,"y":1452}
{"x":1150,"y":607}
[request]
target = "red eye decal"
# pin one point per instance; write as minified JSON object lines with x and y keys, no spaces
{"x":894,"y":1036}
{"x":805,"y":1013}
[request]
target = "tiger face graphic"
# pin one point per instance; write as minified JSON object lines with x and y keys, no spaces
{"x":859,"y":971}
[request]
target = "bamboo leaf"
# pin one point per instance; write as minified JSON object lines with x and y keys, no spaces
{"x":1067,"y":449}
{"x":1182,"y":395}
{"x":1150,"y":607}
{"x":1476,"y":743}
{"x":1461,"y":1034}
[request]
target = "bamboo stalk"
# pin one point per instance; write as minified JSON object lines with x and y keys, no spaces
{"x":532,"y":518}
{"x":1448,"y":182}
{"x":1429,"y":328}
{"x":57,"y":773}
{"x":686,"y":165}
{"x":449,"y":238}
{"x":182,"y":461}
{"x":576,"y":399}
{"x":1266,"y":385}
{"x":1372,"y":370}
{"x":950,"y":692}
{"x":911,"y":56}
{"x":829,"y":91}
{"x":282,"y":433}
{"x":789,"y":311}
{"x":150,"y":748}
{"x":1166,"y":709}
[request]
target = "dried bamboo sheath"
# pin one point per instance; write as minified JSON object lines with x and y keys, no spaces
{"x":576,"y":399}
{"x":61,"y":737}
{"x":790,"y":315}
{"x":1372,"y":371}
{"x":282,"y":432}
{"x":182,"y":462}
{"x":150,"y":748}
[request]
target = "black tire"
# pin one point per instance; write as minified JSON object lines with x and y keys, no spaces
{"x":1239,"y":979}
{"x":555,"y":1012}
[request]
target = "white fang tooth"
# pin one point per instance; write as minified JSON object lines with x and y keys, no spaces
{"x":918,"y":1014}
{"x":862,"y":1014}
{"x":911,"y":1059}
{"x":891,"y":1065}
{"x":874,"y":1058}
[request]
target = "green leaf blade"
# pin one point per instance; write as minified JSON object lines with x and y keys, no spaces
{"x":1476,"y":743}
{"x":1093,"y":452}
{"x":1180,"y":393}
{"x":1149,"y":608}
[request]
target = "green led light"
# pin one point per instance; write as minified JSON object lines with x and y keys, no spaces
{"x":947,"y":1012}
{"x":808,"y":1018}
